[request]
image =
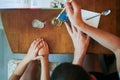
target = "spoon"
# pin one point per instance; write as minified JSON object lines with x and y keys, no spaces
{"x":104,"y":13}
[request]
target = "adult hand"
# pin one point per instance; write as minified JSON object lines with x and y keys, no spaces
{"x":73,"y":11}
{"x":80,"y":40}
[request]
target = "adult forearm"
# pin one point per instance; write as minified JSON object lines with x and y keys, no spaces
{"x":79,"y":59}
{"x":45,"y":75}
{"x":106,"y":39}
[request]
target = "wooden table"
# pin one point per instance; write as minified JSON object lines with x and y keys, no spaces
{"x":20,"y":33}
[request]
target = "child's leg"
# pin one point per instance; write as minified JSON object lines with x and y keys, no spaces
{"x":32,"y":71}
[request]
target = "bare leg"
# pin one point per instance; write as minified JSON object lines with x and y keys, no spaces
{"x":92,"y":63}
{"x":32,"y":71}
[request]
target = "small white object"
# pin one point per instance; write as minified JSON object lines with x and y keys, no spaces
{"x":12,"y":64}
{"x":37,"y":23}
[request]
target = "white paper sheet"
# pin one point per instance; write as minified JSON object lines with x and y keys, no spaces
{"x":7,"y":4}
{"x":10,"y":4}
{"x":40,"y":4}
{"x":92,"y":22}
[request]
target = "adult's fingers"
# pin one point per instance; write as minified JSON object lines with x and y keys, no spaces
{"x":88,"y":38}
{"x":74,"y":29}
{"x":69,"y":9}
{"x":82,"y":34}
{"x":68,"y":28}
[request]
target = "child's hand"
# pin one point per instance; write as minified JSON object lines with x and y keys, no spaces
{"x":34,"y":49}
{"x":43,"y":52}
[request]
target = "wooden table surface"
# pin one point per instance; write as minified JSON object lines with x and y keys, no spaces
{"x":20,"y":33}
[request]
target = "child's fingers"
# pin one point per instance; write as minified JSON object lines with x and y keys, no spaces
{"x":37,"y":58}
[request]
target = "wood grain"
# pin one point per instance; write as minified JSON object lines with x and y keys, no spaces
{"x":118,"y":17}
{"x":20,"y":33}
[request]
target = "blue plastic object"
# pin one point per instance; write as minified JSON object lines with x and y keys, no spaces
{"x":63,"y":17}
